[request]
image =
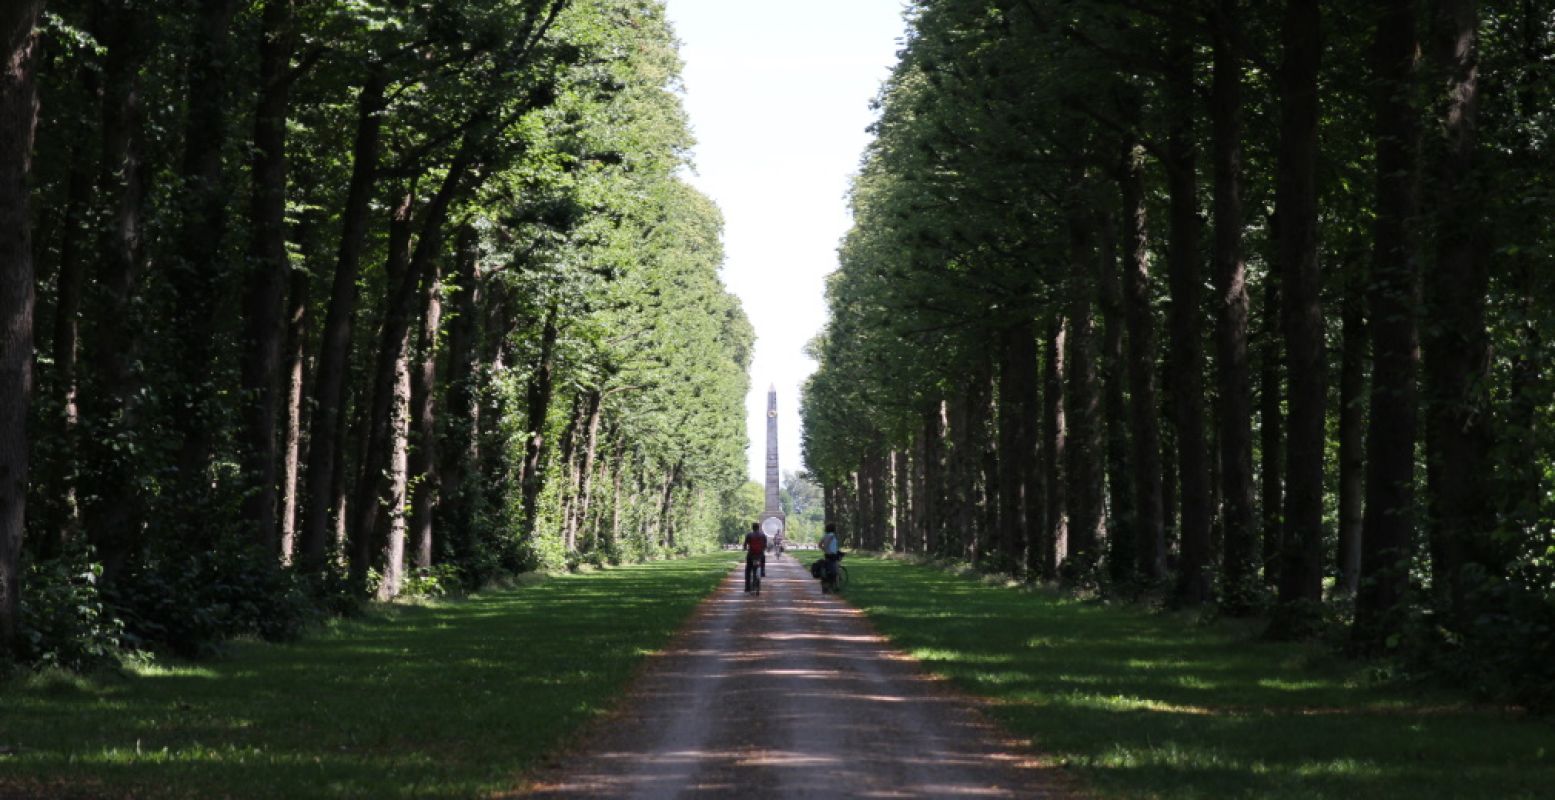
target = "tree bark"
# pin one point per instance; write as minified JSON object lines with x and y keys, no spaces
{"x":462,"y":408}
{"x":1017,"y":376}
{"x":331,"y":372}
{"x":196,"y":271}
{"x":18,"y":123}
{"x":1144,"y":422}
{"x":1352,"y":430}
{"x":267,"y":272}
{"x":1120,"y":490}
{"x":390,"y":538}
{"x":1185,"y":320}
{"x":111,"y":413}
{"x":375,"y":467}
{"x":537,"y":410}
{"x":375,"y":490}
{"x":933,"y":476}
{"x":71,"y":282}
{"x":423,"y":460}
{"x":1394,"y":298}
{"x":1271,"y":432}
{"x":1457,"y":347}
{"x":1301,"y":570}
{"x":901,"y":470}
{"x":1055,"y":531}
{"x":296,"y":366}
{"x":1235,"y":430}
{"x":1082,"y":411}
{"x":596,"y":409}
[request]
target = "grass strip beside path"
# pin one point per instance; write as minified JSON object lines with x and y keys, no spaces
{"x":453,"y":700}
{"x":1151,"y":705}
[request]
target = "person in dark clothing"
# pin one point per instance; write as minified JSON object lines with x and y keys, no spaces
{"x":755,"y":554}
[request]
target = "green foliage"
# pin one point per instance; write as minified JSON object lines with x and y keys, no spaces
{"x":741,"y":507}
{"x":192,"y":602}
{"x":64,"y":622}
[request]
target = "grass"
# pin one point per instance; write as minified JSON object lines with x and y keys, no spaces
{"x":1154,"y":705}
{"x":451,"y":700}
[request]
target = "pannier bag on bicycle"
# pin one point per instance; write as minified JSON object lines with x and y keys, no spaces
{"x":818,"y":569}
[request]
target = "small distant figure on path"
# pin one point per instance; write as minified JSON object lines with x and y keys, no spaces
{"x":755,"y":557}
{"x":831,"y":547}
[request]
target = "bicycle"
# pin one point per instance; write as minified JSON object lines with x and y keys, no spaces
{"x":752,"y":576}
{"x":838,"y":579}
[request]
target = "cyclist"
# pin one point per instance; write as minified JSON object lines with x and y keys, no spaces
{"x":755,"y":554}
{"x":831,"y":547}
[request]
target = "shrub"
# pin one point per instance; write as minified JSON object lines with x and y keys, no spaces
{"x":64,"y":621}
{"x":433,"y":581}
{"x":190,"y":602}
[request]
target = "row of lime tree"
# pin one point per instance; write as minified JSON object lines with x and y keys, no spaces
{"x":1248,"y":304}
{"x":306,"y":301}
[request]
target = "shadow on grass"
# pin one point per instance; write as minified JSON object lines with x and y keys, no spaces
{"x":454,"y":700}
{"x":1149,"y":706}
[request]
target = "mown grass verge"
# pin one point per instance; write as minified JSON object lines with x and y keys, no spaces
{"x":457,"y":699}
{"x":1153,"y":705}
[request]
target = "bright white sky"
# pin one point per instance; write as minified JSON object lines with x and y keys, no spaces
{"x":778,"y":94}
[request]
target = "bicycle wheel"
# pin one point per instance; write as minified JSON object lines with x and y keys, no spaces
{"x":842,"y":579}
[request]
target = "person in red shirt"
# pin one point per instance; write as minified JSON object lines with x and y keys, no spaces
{"x":755,"y":555}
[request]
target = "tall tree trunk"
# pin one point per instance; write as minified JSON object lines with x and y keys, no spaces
{"x":617,"y":469}
{"x":1082,"y":412}
{"x":267,"y":271}
{"x":1144,"y":420}
{"x":1233,"y":385}
{"x":462,"y":408}
{"x":1394,"y":297}
{"x":376,"y":446}
{"x":390,"y":538}
{"x":666,"y":507}
{"x":961,"y":489}
{"x":296,"y":364}
{"x":1457,"y":348}
{"x":1301,"y":570}
{"x":375,"y":490}
{"x":1352,"y":429}
{"x":1271,"y":431}
{"x":901,"y":469}
{"x":1017,"y":376}
{"x":331,"y":371}
{"x":933,"y":476}
{"x":66,"y":522}
{"x":423,"y":462}
{"x":18,"y":122}
{"x":918,"y":530}
{"x":596,"y":408}
{"x":196,"y":271}
{"x":112,"y":518}
{"x":988,"y":458}
{"x":537,"y":410}
{"x":1185,"y":321}
{"x":568,"y":458}
{"x":1120,"y":490}
{"x":1055,"y":531}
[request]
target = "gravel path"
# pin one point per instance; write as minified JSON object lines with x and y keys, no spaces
{"x":793,"y":694}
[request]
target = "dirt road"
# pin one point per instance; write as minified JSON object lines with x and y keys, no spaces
{"x":792,"y":694}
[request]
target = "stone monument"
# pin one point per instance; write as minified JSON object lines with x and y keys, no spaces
{"x":772,"y":519}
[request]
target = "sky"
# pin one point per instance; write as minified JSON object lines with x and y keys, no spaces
{"x":778,"y":94}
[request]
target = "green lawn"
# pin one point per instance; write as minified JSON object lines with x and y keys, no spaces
{"x":455,"y":700}
{"x":1149,"y":705}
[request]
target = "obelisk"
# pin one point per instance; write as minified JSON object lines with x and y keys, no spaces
{"x":772,"y":520}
